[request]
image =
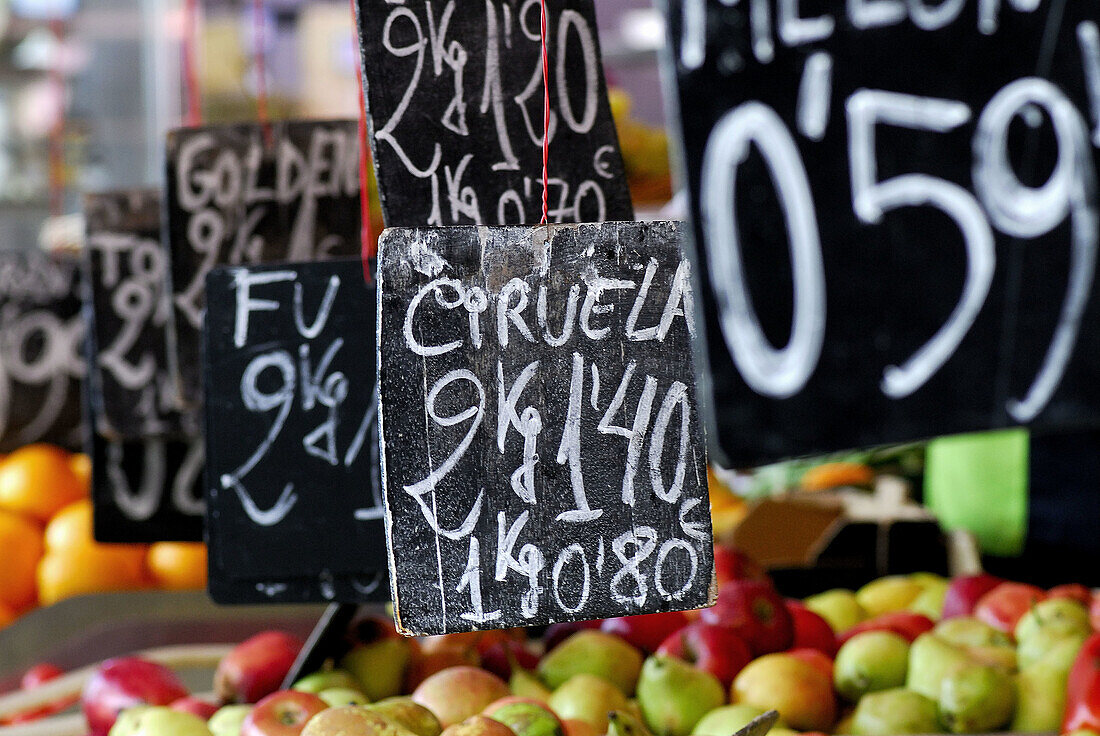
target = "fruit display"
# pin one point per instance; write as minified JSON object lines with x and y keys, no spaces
{"x":904,"y":654}
{"x":49,"y":551}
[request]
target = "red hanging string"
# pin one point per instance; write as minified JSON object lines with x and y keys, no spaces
{"x":57,"y":130}
{"x":193,"y":111}
{"x":545,"y":120}
{"x":259,"y":53}
{"x":366,"y":237}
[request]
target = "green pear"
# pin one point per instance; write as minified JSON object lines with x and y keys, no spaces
{"x":159,"y":720}
{"x":675,"y":696}
{"x":1040,"y":698}
{"x":838,"y":607}
{"x":524,"y":684}
{"x":379,"y":666}
{"x":410,"y":714}
{"x":338,"y":696}
{"x":727,"y":720}
{"x":929,"y":602}
{"x":587,"y":698}
{"x":626,"y":723}
{"x":894,"y":712}
{"x":888,"y":594}
{"x":326,"y":680}
{"x":930,"y":659}
{"x":228,"y":719}
{"x":976,"y":698}
{"x":1050,"y":643}
{"x":871,"y":661}
{"x":967,"y":631}
{"x":592,"y":652}
{"x":1063,"y":613}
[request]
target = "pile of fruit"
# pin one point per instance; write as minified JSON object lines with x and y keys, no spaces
{"x":911,"y":654}
{"x":46,"y":537}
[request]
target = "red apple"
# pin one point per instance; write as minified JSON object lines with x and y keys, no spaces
{"x":964,"y":592}
{"x":1072,"y":591}
{"x":38,"y":674}
{"x":646,"y":631}
{"x":755,"y":612}
{"x":457,"y":693}
{"x":31,"y":679}
{"x":714,"y":649}
{"x":282,"y":713}
{"x":1094,"y":612}
{"x":423,"y":665}
{"x":1006,"y":604}
{"x":732,"y":564}
{"x":815,"y":657}
{"x":903,"y":623}
{"x":557,"y":633}
{"x":256,"y":667}
{"x":810,"y":630}
{"x":500,"y":656}
{"x":196,"y":706}
{"x":122,"y":683}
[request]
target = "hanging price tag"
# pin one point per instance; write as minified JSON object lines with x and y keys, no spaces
{"x":454,"y":95}
{"x":895,"y":216}
{"x":543,"y":452}
{"x":146,"y":454}
{"x":126,"y":267}
{"x":287,"y":191}
{"x":41,"y":339}
{"x":292,"y":468}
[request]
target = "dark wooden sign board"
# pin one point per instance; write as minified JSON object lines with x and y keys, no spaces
{"x":238,"y":195}
{"x":146,"y":454}
{"x":454,"y":97}
{"x":125,"y":267}
{"x":292,"y":467}
{"x":41,"y":338}
{"x":895,"y":212}
{"x":542,"y":449}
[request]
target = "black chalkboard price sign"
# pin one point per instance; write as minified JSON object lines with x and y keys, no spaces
{"x":543,"y":454}
{"x":454,"y":96}
{"x":292,"y":473}
{"x":147,"y":490}
{"x":41,"y":339}
{"x":125,"y":267}
{"x":895,"y":209}
{"x":239,"y":194}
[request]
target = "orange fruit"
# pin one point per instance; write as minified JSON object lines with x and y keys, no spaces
{"x":37,"y":481}
{"x":90,"y":568}
{"x":81,"y":465}
{"x":70,"y":527}
{"x":20,"y":550}
{"x":177,"y":565}
{"x":834,"y":475}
